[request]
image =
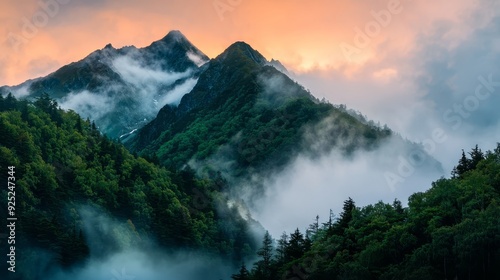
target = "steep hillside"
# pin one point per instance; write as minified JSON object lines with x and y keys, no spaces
{"x":63,"y":166}
{"x":245,"y":117}
{"x":450,"y":231}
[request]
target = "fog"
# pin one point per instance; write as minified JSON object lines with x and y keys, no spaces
{"x":122,"y":105}
{"x":118,"y":252}
{"x":449,"y":79}
{"x":20,"y":91}
{"x":198,"y":60}
{"x":322,"y":175}
{"x":443,"y":94}
{"x":312,"y":186}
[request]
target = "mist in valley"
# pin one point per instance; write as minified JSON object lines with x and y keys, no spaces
{"x":119,"y":252}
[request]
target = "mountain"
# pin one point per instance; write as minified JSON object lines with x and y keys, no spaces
{"x":450,"y":231}
{"x":174,"y":185}
{"x":247,"y":119}
{"x":83,"y":198}
{"x":122,"y":89}
{"x":238,"y":115}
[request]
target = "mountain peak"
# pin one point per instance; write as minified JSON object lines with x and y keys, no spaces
{"x":279,"y":66}
{"x":241,"y":48}
{"x":174,"y":36}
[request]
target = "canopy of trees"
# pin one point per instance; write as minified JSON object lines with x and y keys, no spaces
{"x":451,"y":231}
{"x":63,"y":162}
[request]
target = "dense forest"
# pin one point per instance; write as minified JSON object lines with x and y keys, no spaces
{"x":451,"y":231}
{"x":248,"y":113}
{"x":63,"y":163}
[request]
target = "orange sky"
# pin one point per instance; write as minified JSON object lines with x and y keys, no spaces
{"x":302,"y":34}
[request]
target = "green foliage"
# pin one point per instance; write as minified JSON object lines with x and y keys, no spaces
{"x":251,"y":115}
{"x":451,"y":231}
{"x":243,"y":274}
{"x":63,"y":162}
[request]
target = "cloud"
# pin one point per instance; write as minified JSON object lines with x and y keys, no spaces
{"x":277,"y":89}
{"x":175,"y":95}
{"x":413,"y":87}
{"x":309,"y":33}
{"x":141,"y":264}
{"x":123,"y":105}
{"x":20,"y":92}
{"x":322,"y":175}
{"x":151,"y":85}
{"x":312,"y":185}
{"x":88,"y":104}
{"x":117,"y":252}
{"x":198,"y":60}
{"x":132,"y":71}
{"x":42,"y":65}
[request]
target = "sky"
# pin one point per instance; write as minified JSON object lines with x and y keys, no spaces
{"x":429,"y":70}
{"x":40,"y":36}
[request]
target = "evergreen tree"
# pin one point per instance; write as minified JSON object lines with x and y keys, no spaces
{"x":295,"y":248}
{"x":281,"y":248}
{"x":10,"y":102}
{"x":263,"y":266}
{"x":243,"y":274}
{"x":328,"y":225}
{"x":476,"y":156}
{"x":314,"y":227}
{"x":346,"y":215}
{"x":462,"y":167}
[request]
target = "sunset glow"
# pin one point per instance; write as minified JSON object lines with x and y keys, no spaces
{"x":304,"y":36}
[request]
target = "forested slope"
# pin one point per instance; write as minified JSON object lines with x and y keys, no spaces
{"x":451,"y":231}
{"x":63,"y":163}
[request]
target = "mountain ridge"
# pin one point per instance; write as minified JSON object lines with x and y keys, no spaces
{"x":130,"y":84}
{"x":240,"y":80}
{"x":257,"y":115}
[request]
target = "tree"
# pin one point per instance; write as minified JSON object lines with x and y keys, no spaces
{"x":462,"y":167}
{"x":398,"y":207}
{"x":263,"y":266}
{"x":10,"y":102}
{"x":346,"y":215}
{"x":465,"y":164}
{"x":314,"y":227}
{"x":328,"y":225}
{"x":244,"y":274}
{"x":281,"y":248}
{"x":295,"y":248}
{"x":476,"y":156}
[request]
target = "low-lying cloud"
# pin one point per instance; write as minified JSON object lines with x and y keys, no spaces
{"x":312,"y":186}
{"x":196,"y":59}
{"x":132,"y":72}
{"x":120,"y":106}
{"x":118,"y":252}
{"x":88,"y":104}
{"x":431,"y":84}
{"x":324,"y":174}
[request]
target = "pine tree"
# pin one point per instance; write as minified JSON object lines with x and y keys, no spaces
{"x":462,"y":167}
{"x":295,"y":248}
{"x":314,"y":227}
{"x":346,"y":215}
{"x":263,"y":266}
{"x":244,"y":274}
{"x":476,"y":156}
{"x":328,"y":225}
{"x":398,"y":207}
{"x":281,"y":248}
